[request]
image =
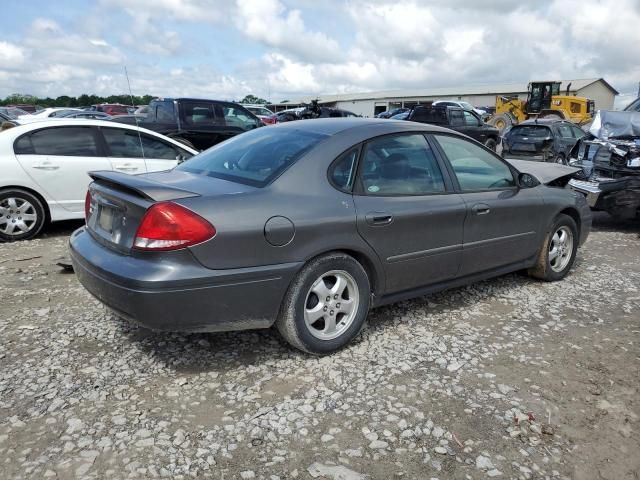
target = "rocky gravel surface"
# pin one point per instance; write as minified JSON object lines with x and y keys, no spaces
{"x":508,"y":378}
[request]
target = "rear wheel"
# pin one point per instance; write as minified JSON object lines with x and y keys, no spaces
{"x":326,"y":305}
{"x":558,"y":252}
{"x":22,"y":215}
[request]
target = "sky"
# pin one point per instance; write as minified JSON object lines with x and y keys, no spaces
{"x":286,"y":49}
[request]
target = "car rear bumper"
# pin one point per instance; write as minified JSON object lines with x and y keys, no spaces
{"x":177,"y":293}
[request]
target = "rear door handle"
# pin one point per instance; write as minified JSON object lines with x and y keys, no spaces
{"x":46,"y":166}
{"x":378,"y":218}
{"x":481,"y":209}
{"x":127,"y":167}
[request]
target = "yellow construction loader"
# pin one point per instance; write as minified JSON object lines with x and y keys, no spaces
{"x":543,"y":101}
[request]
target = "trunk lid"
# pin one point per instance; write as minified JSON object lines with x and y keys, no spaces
{"x":529,"y":139}
{"x":119,"y":201}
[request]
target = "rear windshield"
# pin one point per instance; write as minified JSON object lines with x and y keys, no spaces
{"x":533,"y":131}
{"x":253,"y":158}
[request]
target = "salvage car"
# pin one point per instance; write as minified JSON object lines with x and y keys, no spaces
{"x":197,"y":123}
{"x":306,"y":225}
{"x":45,"y":167}
{"x":456,"y":118}
{"x":610,"y":162}
{"x":544,"y":140}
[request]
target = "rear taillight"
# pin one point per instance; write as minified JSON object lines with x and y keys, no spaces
{"x":87,"y":205}
{"x":169,"y":226}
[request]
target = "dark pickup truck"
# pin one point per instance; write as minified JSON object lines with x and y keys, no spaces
{"x":195,"y":122}
{"x":458,"y":119}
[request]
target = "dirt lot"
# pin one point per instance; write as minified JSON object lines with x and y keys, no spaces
{"x":509,"y":378}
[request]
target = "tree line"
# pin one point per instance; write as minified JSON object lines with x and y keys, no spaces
{"x":86,"y":100}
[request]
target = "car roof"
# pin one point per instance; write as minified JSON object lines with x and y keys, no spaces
{"x":171,"y":99}
{"x":12,"y":133}
{"x":332,"y":126}
{"x":541,"y":121}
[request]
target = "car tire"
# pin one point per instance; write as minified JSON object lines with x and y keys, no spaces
{"x":557,"y":254}
{"x":323,"y":325}
{"x":15,"y":206}
{"x":491,"y":144}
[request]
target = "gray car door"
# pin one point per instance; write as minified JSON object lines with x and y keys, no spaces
{"x":407,"y":212}
{"x":503,"y":223}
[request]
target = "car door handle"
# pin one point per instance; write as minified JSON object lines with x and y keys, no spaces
{"x":127,"y":167}
{"x":379,"y":218}
{"x":481,"y":209}
{"x":46,"y":166}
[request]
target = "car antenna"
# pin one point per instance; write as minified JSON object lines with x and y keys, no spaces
{"x":144,"y":159}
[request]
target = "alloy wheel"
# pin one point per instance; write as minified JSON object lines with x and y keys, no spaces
{"x":17,"y":216}
{"x":561,"y":249}
{"x":331,"y":305}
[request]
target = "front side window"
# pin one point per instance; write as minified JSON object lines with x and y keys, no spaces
{"x":253,"y":158}
{"x":344,"y":169}
{"x":474,"y":167}
{"x":61,"y":141}
{"x":470,"y":120}
{"x":577,"y":132}
{"x":239,"y":117}
{"x":400,"y":165}
{"x":122,"y":143}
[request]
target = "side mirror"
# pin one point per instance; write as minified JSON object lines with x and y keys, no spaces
{"x":526,"y":180}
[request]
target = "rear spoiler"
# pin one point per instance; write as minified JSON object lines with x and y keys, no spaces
{"x":154,"y":191}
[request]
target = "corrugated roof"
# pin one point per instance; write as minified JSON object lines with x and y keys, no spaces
{"x":488,"y":89}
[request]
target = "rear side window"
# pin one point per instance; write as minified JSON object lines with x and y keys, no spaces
{"x":474,"y":167}
{"x":65,"y":141}
{"x":344,"y":170}
{"x":457,"y":118}
{"x":124,"y":143}
{"x":400,"y":165}
{"x":199,"y":114}
{"x":253,"y":158}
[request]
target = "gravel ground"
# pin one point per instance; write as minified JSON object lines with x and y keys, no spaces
{"x":508,"y":378}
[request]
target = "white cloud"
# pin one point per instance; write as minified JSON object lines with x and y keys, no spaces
{"x":289,"y":49}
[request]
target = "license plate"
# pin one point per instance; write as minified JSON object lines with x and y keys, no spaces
{"x":106,"y":219}
{"x":525,"y":147}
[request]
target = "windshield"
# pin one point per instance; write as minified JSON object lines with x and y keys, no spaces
{"x":253,"y":158}
{"x":260,"y":111}
{"x":466,"y":105}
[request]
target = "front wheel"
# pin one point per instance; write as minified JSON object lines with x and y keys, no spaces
{"x":558,"y":252}
{"x":22,"y":215}
{"x":326,"y":305}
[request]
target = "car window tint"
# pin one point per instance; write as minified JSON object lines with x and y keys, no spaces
{"x":469,"y":119}
{"x":529,"y":131}
{"x":343,"y":170}
{"x":122,"y":143}
{"x":198,"y":114}
{"x":239,"y":117}
{"x":253,"y":158}
{"x":67,"y":141}
{"x":457,"y":118}
{"x":565,"y":131}
{"x":400,"y":165}
{"x":577,"y":132}
{"x":155,"y":148}
{"x":474,"y":167}
{"x":164,"y":112}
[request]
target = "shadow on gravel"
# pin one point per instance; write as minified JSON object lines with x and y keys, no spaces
{"x":603,"y":222}
{"x":61,"y":229}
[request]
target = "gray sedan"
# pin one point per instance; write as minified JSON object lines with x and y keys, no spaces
{"x":308,"y":225}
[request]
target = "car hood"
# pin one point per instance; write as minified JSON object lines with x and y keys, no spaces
{"x":543,"y":171}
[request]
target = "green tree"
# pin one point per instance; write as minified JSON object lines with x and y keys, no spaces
{"x":253,"y":99}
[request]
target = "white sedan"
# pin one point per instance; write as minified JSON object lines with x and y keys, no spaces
{"x":45,"y":167}
{"x":45,"y":114}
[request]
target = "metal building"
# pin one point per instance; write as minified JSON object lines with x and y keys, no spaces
{"x":369,"y":104}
